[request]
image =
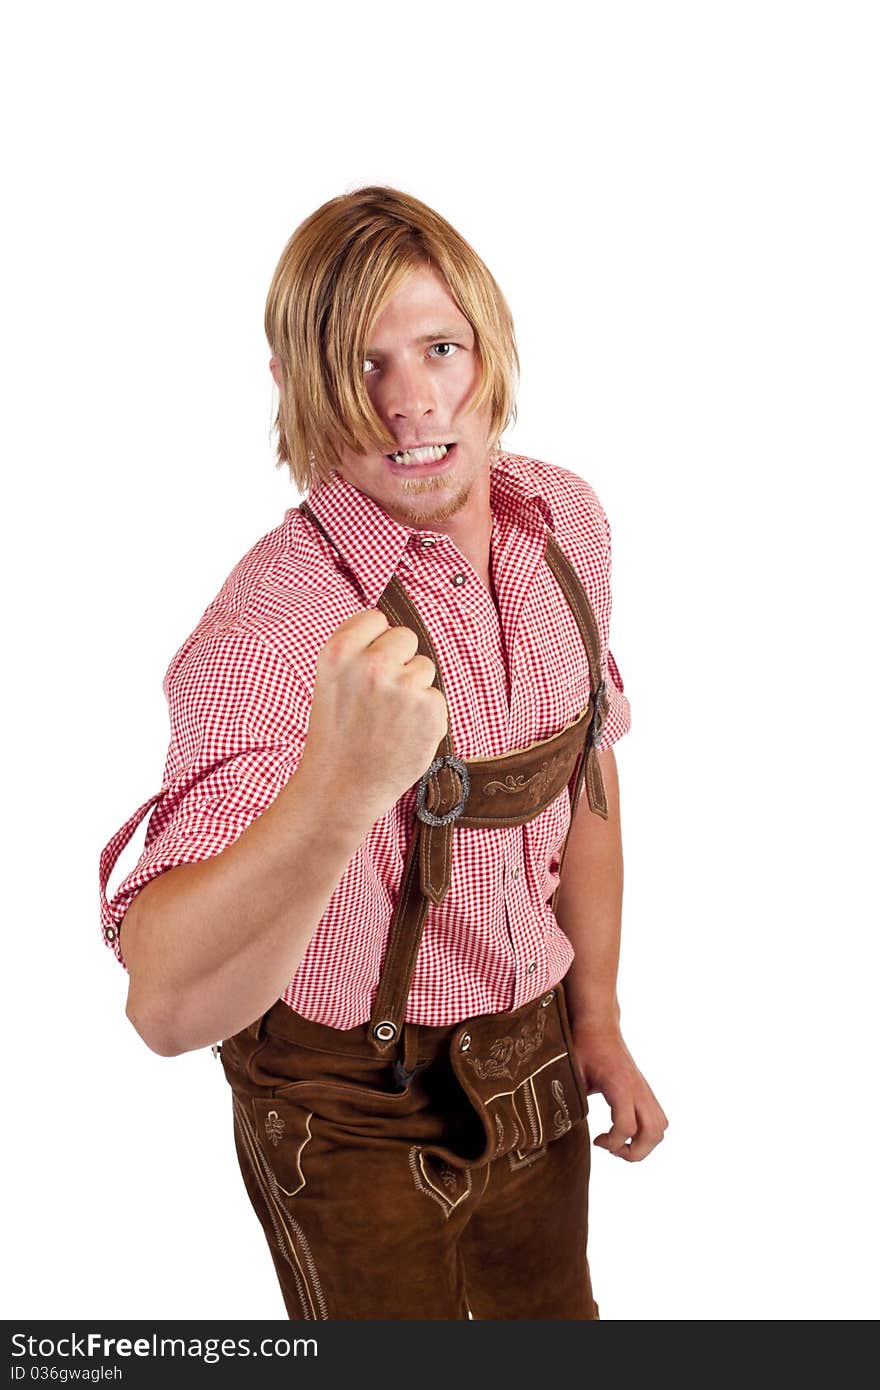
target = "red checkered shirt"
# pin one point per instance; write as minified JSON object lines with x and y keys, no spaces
{"x":239,"y":692}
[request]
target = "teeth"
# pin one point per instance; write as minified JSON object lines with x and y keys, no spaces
{"x":433,"y":453}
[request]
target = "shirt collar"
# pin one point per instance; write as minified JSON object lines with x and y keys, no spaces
{"x":372,"y":543}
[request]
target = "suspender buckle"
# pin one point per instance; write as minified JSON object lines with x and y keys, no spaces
{"x":597,"y":720}
{"x":445,"y":760}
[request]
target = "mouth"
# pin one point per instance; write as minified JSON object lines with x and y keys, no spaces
{"x":429,"y":458}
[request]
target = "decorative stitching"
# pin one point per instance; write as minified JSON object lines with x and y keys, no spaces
{"x":282,"y":1239}
{"x":562,"y":1118}
{"x":519,"y":1129}
{"x":533,"y":1111}
{"x":298,"y":1155}
{"x":483,"y":817}
{"x":417,"y":1166}
{"x":519,"y":783}
{"x":502,"y":1050}
{"x":284,"y":1092}
{"x":562,"y":1121}
{"x":410,"y":944}
{"x":274,"y":1127}
{"x":527,"y":1161}
{"x":288,"y":1233}
{"x":544,"y":1065}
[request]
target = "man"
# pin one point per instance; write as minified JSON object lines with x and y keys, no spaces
{"x":380,"y":729}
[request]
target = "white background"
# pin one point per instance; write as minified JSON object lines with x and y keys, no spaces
{"x":680,"y":202}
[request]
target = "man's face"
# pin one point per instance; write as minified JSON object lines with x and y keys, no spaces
{"x":421,"y":369}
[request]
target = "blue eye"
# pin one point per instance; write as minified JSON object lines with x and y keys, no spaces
{"x":448,"y":345}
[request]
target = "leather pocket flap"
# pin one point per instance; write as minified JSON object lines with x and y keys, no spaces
{"x":520,"y":1076}
{"x":283,"y":1131}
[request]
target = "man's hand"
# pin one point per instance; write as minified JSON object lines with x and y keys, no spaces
{"x":638,"y":1122}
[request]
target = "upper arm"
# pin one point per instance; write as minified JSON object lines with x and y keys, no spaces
{"x":239,"y":718}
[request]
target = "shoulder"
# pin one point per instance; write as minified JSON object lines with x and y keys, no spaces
{"x":578,"y":517}
{"x":580,"y":529}
{"x":269,"y":618}
{"x":225,"y":630}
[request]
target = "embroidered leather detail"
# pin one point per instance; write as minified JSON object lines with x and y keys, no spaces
{"x":284,"y":1132}
{"x":499,"y":1126}
{"x":528,"y":1160}
{"x":504,"y":1050}
{"x":448,"y":1177}
{"x":274,"y":1127}
{"x":426,"y":1169}
{"x":535,"y":785}
{"x":530,"y":1100}
{"x":561,"y":1117}
{"x":289,"y":1236}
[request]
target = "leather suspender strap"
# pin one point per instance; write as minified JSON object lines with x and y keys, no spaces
{"x":510,"y":789}
{"x":582,"y":609}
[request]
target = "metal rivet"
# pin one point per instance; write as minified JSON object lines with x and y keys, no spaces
{"x":548,"y":999}
{"x":458,"y":578}
{"x":532,"y":967}
{"x":465,"y":1042}
{"x":110,"y":934}
{"x":385,"y":1032}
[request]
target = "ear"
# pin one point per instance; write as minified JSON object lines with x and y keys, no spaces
{"x":275,"y":369}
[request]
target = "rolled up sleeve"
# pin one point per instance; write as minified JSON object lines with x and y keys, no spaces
{"x":618,"y":719}
{"x":239,"y":717}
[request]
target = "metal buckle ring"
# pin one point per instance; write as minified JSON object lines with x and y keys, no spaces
{"x":597,"y":721}
{"x":445,"y":760}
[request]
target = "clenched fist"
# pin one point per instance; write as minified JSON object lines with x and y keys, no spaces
{"x":376,"y":719}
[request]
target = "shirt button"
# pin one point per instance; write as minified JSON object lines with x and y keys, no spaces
{"x":458,"y":578}
{"x":533,"y":965}
{"x":109,"y":933}
{"x":516,"y":874}
{"x":427,"y":540}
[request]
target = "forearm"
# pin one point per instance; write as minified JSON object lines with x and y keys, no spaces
{"x":589,"y":906}
{"x":210,"y":946}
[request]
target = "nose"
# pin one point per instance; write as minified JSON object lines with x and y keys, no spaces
{"x":408,"y":392}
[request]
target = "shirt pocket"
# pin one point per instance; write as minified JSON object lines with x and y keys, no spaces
{"x":555,"y":699}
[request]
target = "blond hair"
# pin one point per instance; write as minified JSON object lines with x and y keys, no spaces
{"x":336,"y":274}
